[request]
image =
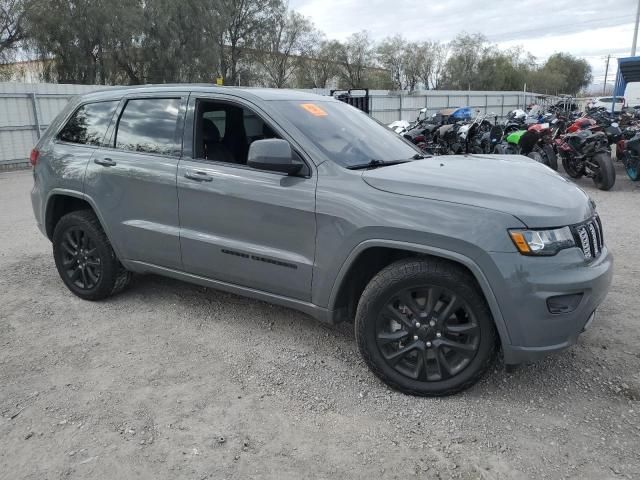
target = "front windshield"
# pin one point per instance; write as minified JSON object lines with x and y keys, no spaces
{"x":345,"y":134}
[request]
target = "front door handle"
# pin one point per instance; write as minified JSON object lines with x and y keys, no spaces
{"x":198,"y":176}
{"x":105,"y":162}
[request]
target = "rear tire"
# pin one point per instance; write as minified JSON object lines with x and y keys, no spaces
{"x":85,"y":259}
{"x":424,"y":329}
{"x":552,"y":158}
{"x":606,"y":177}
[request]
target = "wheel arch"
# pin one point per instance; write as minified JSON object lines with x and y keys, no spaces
{"x":62,"y":201}
{"x":371,"y":256}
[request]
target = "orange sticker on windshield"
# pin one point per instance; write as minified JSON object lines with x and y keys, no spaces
{"x":314,"y":109}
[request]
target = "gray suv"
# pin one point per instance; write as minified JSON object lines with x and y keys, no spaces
{"x":307,"y":202}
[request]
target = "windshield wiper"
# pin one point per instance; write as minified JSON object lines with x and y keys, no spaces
{"x":376,"y":163}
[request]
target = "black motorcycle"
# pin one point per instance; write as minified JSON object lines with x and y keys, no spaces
{"x":588,"y":153}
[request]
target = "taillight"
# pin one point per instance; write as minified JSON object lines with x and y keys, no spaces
{"x":33,"y":158}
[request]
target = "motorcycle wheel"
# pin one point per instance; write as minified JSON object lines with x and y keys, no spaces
{"x":606,"y":177}
{"x":571,"y":170}
{"x":537,"y":157}
{"x":499,"y":150}
{"x":632,"y":167}
{"x":552,"y":158}
{"x":477,"y":150}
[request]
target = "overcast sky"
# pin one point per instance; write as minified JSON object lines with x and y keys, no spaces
{"x":587,"y":28}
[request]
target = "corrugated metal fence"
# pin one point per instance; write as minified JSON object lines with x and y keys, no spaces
{"x":25,"y":112}
{"x":391,"y":107}
{"x":27,"y":109}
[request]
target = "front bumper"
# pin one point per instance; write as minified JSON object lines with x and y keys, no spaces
{"x":524,"y":285}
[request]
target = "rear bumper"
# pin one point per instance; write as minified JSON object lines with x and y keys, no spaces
{"x":525,"y":286}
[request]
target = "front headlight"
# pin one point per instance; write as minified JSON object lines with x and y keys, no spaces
{"x":542,"y":242}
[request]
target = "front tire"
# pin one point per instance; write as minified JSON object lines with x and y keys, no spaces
{"x":631,"y":166}
{"x":424,"y":329}
{"x":85,"y":259}
{"x":606,"y":177}
{"x":537,"y":157}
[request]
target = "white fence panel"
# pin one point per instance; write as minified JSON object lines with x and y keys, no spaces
{"x":25,"y":107}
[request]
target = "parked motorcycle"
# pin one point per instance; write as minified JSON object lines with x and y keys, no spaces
{"x":472,"y":134}
{"x":535,"y":142}
{"x":515,"y":121}
{"x":628,"y":152}
{"x":587,"y":153}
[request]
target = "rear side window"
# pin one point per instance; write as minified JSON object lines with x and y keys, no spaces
{"x":89,"y":124}
{"x":149,"y":125}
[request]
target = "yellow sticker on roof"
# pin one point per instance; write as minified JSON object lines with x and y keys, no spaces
{"x":314,"y":109}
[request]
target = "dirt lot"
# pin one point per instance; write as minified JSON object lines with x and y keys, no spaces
{"x":170,"y":380}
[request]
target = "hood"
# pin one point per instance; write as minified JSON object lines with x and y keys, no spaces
{"x":512,"y":184}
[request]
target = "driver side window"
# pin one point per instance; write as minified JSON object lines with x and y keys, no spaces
{"x":224,"y":132}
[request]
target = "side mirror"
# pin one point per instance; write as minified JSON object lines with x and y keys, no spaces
{"x":273,"y":154}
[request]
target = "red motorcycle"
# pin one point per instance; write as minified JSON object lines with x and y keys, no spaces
{"x":586,"y":152}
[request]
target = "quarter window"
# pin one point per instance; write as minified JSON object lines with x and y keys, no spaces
{"x":149,"y":125}
{"x":89,"y":124}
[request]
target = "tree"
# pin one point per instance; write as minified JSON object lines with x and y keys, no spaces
{"x":576,"y":71}
{"x":287,"y":38}
{"x":501,"y":70}
{"x":242,"y":21}
{"x":320,"y":63}
{"x":356,"y":56}
{"x":69,"y":37}
{"x":392,"y":53}
{"x":462,"y":65}
{"x":12,"y":31}
{"x":424,"y":63}
{"x":413,"y":58}
{"x":175,"y":32}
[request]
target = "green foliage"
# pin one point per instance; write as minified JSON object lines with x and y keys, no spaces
{"x":12,"y":31}
{"x":575,"y":72}
{"x":255,"y":42}
{"x":474,"y":64}
{"x":318,"y":66}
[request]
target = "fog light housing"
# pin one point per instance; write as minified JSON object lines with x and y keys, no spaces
{"x":564,"y":303}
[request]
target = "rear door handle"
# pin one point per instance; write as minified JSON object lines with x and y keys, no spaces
{"x":198,"y":176}
{"x":105,"y":162}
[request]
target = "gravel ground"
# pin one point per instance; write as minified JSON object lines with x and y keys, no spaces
{"x":171,"y":380}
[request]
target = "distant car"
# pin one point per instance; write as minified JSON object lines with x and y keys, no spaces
{"x":607,"y":102}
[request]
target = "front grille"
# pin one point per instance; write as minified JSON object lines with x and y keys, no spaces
{"x":589,"y":237}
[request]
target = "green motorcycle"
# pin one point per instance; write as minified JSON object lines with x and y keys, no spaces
{"x":531,"y":143}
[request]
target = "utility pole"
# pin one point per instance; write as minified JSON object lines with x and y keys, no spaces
{"x":606,"y":73}
{"x":635,"y":32}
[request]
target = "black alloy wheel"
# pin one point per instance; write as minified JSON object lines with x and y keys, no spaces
{"x":427,"y":333}
{"x":424,"y":328}
{"x":85,"y":259}
{"x":80,"y":259}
